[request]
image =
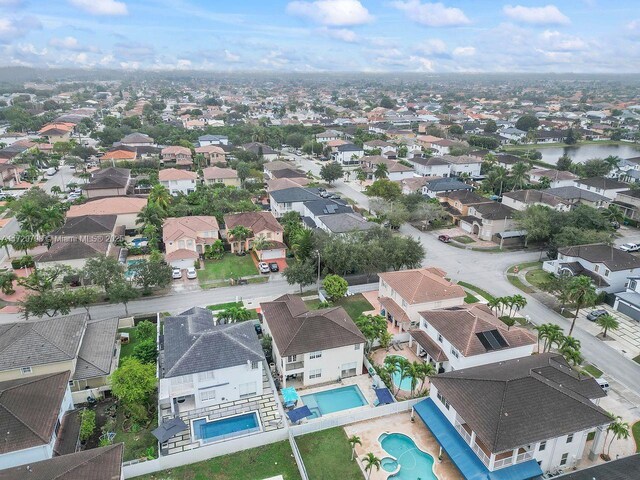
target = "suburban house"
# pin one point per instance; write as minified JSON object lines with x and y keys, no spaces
{"x":279,"y":169}
{"x":261,"y":150}
{"x":102,"y":463}
{"x":457,"y":202}
{"x":396,"y":171}
{"x":628,"y":302}
{"x":9,"y":174}
{"x":629,"y":202}
{"x":126,"y":209}
{"x":625,"y":468}
{"x":57,"y":132}
{"x":121,"y":153}
{"x":463,"y":337}
{"x":609,"y":268}
{"x":206,"y":140}
{"x":312,"y":347}
{"x":385,"y":148}
{"x":88,"y":348}
{"x":491,"y":222}
{"x":463,"y":165}
{"x":413,"y":185}
{"x":109,"y":182}
{"x":442,"y":146}
{"x":557,"y":178}
{"x":328,"y":135}
{"x":512,"y":133}
{"x":290,"y":200}
{"x":347,"y":154}
{"x":185,"y":238}
{"x":283,"y":183}
{"x":607,"y":187}
{"x":81,"y":238}
{"x":343,"y":222}
{"x":406,"y":293}
{"x":213,"y":154}
{"x":32,"y":413}
{"x":137,"y":139}
{"x":438,"y":186}
{"x":221,"y":176}
{"x":559,"y":198}
{"x":180,"y":155}
{"x":430,"y":166}
{"x":262,"y":225}
{"x":204,"y":364}
{"x":515,"y":419}
{"x":178,"y":181}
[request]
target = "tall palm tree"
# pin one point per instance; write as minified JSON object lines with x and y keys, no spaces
{"x":160,"y":196}
{"x":519,"y":302}
{"x":411,"y":371}
{"x":496,"y":178}
{"x":233,"y":315}
{"x":519,"y":174}
{"x":582,"y":293}
{"x":570,"y":343}
{"x":239,"y":234}
{"x":426,"y":370}
{"x":381,"y":171}
{"x":353,"y":441}
{"x":614,"y":213}
{"x":5,"y":242}
{"x":613,"y":418}
{"x":620,"y":430}
{"x":370,"y":461}
{"x":261,"y":243}
{"x":607,"y":322}
{"x":542,"y":331}
{"x":573,"y":356}
{"x":556,"y":337}
{"x":403,"y":367}
{"x":494,"y":303}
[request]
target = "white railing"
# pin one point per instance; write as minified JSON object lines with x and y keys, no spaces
{"x":463,"y":433}
{"x":294,"y":366}
{"x":504,"y":462}
{"x":481,"y":455}
{"x":523,"y":457}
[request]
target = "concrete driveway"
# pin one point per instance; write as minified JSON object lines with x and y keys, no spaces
{"x":626,"y":339}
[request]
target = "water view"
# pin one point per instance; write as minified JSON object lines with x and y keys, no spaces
{"x":582,"y":153}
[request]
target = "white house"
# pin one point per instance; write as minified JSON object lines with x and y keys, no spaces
{"x":443,"y":146}
{"x":290,"y":200}
{"x":328,"y":135}
{"x":557,"y":178}
{"x":602,"y":186}
{"x":347,"y":154}
{"x":204,"y":364}
{"x":178,"y":181}
{"x":312,"y":347}
{"x":513,"y":134}
{"x":406,"y":293}
{"x":456,"y":338}
{"x":608,"y":267}
{"x":206,"y":140}
{"x":464,"y":165}
{"x":628,"y":302}
{"x":430,"y":166}
{"x":518,"y":418}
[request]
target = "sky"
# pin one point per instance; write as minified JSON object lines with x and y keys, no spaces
{"x":580,"y":36}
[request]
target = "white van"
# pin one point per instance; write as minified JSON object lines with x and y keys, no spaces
{"x":604,"y":384}
{"x":51,"y":171}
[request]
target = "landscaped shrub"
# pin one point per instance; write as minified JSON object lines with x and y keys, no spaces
{"x":87,"y":424}
{"x":145,"y":330}
{"x":146,"y":351}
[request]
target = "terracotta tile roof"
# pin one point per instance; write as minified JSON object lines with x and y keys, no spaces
{"x":256,"y":221}
{"x":108,"y":206}
{"x":422,"y":285}
{"x":211,"y":149}
{"x":431,"y":347}
{"x":119,"y":154}
{"x":175,"y":228}
{"x":175,"y":174}
{"x":176,"y":150}
{"x":212,"y":173}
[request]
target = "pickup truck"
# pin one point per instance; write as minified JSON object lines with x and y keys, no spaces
{"x":629,"y":247}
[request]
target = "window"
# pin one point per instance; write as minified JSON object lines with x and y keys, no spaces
{"x":349,"y":370}
{"x":357,"y":346}
{"x":315,"y":355}
{"x":543,"y":445}
{"x":317,"y":373}
{"x":570,"y":438}
{"x":596,"y":268}
{"x":247,"y":389}
{"x":25,"y":370}
{"x":440,"y":339}
{"x":55,"y":432}
{"x":404,"y":304}
{"x":254,"y":365}
{"x":563,"y":460}
{"x":292,"y":358}
{"x":606,"y":272}
{"x":181,"y":380}
{"x":207,"y":395}
{"x":204,"y":376}
{"x":455,"y":353}
{"x":443,"y":401}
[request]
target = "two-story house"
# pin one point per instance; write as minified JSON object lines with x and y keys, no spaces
{"x":347,"y":154}
{"x":264,"y":152}
{"x":137,"y":139}
{"x":463,"y":165}
{"x":213,"y":154}
{"x":628,"y":302}
{"x":290,"y":200}
{"x":457,"y":202}
{"x":607,"y":267}
{"x":463,"y":337}
{"x":185,"y":238}
{"x":607,"y":187}
{"x":126,"y":209}
{"x":312,"y":347}
{"x":263,"y":225}
{"x":328,"y":135}
{"x":406,"y":293}
{"x":562,"y":199}
{"x":396,"y":171}
{"x":629,"y":202}
{"x":180,"y":155}
{"x":430,"y":166}
{"x":515,"y":419}
{"x":109,"y":182}
{"x":178,"y":181}
{"x":437,"y":186}
{"x":489,"y":221}
{"x":220,"y":176}
{"x":206,"y":140}
{"x":557,"y":178}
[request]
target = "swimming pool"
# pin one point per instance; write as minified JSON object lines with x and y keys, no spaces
{"x":330,"y":401}
{"x":224,"y":428}
{"x":405,"y":384}
{"x":408,"y":462}
{"x":130,"y":263}
{"x":140,"y":242}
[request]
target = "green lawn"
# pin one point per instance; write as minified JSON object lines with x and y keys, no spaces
{"x":230,"y":266}
{"x":138,"y":441}
{"x":224,"y":306}
{"x":470,"y":299}
{"x":478,"y":290}
{"x":516,"y":282}
{"x":522,"y":266}
{"x":636,"y":359}
{"x":257,"y":463}
{"x":590,"y":369}
{"x":538,"y":278}
{"x":327,"y":455}
{"x":354,"y":305}
{"x":636,"y":435}
{"x":463,"y":239}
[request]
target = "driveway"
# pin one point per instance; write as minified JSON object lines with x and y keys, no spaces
{"x":626,"y":339}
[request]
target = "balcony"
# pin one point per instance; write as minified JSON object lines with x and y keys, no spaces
{"x":294,"y":366}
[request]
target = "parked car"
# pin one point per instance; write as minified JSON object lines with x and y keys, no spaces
{"x":629,"y":247}
{"x":322,"y":189}
{"x":604,"y":384}
{"x":595,"y":315}
{"x":257,"y":327}
{"x":51,"y":171}
{"x":335,"y":196}
{"x":191,"y":273}
{"x":325,"y":194}
{"x":273,"y":266}
{"x":176,"y":273}
{"x":263,"y":267}
{"x":444,"y":238}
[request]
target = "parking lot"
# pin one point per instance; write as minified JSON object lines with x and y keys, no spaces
{"x":626,"y":339}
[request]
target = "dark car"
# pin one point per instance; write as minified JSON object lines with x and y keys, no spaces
{"x":273,"y":266}
{"x":595,"y":315}
{"x":258,"y":327}
{"x":335,"y":197}
{"x":444,"y":238}
{"x":321,"y":189}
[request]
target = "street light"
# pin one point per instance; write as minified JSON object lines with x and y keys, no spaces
{"x":318,"y":281}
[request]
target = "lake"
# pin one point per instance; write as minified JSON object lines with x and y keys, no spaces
{"x":582,"y":153}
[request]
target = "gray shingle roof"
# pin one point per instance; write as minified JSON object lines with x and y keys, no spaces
{"x":192,"y":344}
{"x":324,"y":206}
{"x":575,"y":193}
{"x":87,"y":224}
{"x":346,"y":222}
{"x":294,"y":194}
{"x":52,"y":340}
{"x":447,"y":184}
{"x":627,"y":468}
{"x":96,"y":352}
{"x":602,"y":182}
{"x":614,"y":259}
{"x":517,"y":402}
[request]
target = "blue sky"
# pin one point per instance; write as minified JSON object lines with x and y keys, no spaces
{"x":324,"y":35}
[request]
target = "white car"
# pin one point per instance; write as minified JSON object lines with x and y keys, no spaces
{"x":629,"y":247}
{"x":264,"y":267}
{"x":191,"y":273}
{"x":177,"y":273}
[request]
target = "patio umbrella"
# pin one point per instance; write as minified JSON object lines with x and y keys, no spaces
{"x":289,"y":395}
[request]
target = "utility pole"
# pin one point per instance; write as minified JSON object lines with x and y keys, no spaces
{"x":318,"y":280}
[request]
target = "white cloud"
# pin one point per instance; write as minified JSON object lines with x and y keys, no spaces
{"x":18,"y":27}
{"x":421,"y":64}
{"x":547,"y":15}
{"x":331,"y":12}
{"x":432,"y":46}
{"x":634,"y":27}
{"x":275,"y":58}
{"x":231,"y":57}
{"x":10,"y":3}
{"x":560,"y":42}
{"x":343,"y":34}
{"x":432,"y":14}
{"x":183,"y":64}
{"x":464,"y":51}
{"x":70,"y":43}
{"x":101,"y":7}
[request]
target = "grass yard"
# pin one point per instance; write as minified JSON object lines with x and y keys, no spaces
{"x":353,"y":305}
{"x":516,"y":282}
{"x":224,"y":306}
{"x":636,"y":359}
{"x":463,"y":239}
{"x":522,"y":266}
{"x":593,"y":371}
{"x":470,"y":299}
{"x":636,"y":435}
{"x":327,"y":455}
{"x":257,"y":463}
{"x":229,"y":266}
{"x":487,"y":296}
{"x":538,"y":278}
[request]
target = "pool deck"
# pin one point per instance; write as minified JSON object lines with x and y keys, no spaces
{"x":380,"y":354}
{"x":370,"y":430}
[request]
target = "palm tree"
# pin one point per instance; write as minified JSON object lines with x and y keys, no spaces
{"x":353,"y":441}
{"x":573,"y":356}
{"x":403,"y":365}
{"x":613,"y":418}
{"x":385,"y":339}
{"x":411,"y":371}
{"x":361,"y":175}
{"x":614,"y":213}
{"x":494,"y":303}
{"x":556,"y":337}
{"x":550,"y":333}
{"x":370,"y":461}
{"x":239,"y":234}
{"x":496,"y":177}
{"x":569,"y":343}
{"x":6,"y":282}
{"x":426,"y":370}
{"x":261,"y":243}
{"x":620,"y":430}
{"x":160,"y":196}
{"x":381,"y":171}
{"x":233,"y":315}
{"x":5,"y":242}
{"x":519,"y":174}
{"x":518,"y":302}
{"x":23,"y":241}
{"x":582,"y":293}
{"x":607,"y":322}
{"x":302,"y":243}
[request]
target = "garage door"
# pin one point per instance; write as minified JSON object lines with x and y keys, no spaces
{"x":188,"y":263}
{"x":272,"y":254}
{"x":628,"y":310}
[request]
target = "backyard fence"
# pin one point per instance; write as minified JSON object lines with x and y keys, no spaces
{"x":296,"y":453}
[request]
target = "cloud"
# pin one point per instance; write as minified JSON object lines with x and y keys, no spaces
{"x":101,"y":7}
{"x":70,"y":43}
{"x":10,"y":3}
{"x":464,"y":52}
{"x":135,"y":52}
{"x":343,"y":34}
{"x":231,"y":57}
{"x":17,"y":27}
{"x":275,"y":58}
{"x":432,"y":46}
{"x":421,"y":64}
{"x":547,"y":15}
{"x":633,"y":27}
{"x":560,"y":42}
{"x":432,"y":14}
{"x":331,"y":12}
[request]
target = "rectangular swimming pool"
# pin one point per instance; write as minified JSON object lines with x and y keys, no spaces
{"x":330,"y":401}
{"x":227,"y":427}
